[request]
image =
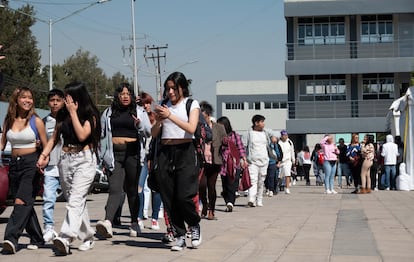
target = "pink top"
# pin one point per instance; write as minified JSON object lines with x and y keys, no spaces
{"x":330,"y":151}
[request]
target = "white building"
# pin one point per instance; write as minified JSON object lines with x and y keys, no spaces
{"x":241,"y":100}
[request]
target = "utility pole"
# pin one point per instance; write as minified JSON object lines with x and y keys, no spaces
{"x":158,"y":67}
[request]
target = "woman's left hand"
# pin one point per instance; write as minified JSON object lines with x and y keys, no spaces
{"x":71,"y":106}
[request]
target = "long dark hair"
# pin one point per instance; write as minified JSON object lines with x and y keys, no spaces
{"x":226,"y":123}
{"x":179,"y":80}
{"x":87,"y":111}
{"x":116,"y":105}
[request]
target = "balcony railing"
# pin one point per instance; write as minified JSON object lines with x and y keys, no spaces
{"x":350,"y":50}
{"x":338,"y":109}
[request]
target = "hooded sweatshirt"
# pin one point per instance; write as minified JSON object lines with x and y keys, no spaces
{"x":390,"y":151}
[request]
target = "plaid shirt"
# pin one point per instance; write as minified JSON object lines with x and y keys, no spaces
{"x":225,"y":150}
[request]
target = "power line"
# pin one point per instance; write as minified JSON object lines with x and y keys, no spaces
{"x":158,"y":66}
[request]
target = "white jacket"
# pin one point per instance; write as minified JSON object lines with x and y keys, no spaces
{"x":390,"y":151}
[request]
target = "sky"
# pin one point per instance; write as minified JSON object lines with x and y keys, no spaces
{"x":208,"y":40}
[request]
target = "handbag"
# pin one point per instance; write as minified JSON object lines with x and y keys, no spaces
{"x":245,"y":182}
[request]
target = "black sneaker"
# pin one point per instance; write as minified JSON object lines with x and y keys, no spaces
{"x":179,"y":244}
{"x":195,"y":236}
{"x":8,"y":247}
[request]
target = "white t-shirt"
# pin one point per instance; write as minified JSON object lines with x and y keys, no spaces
{"x":258,"y":148}
{"x":169,"y":129}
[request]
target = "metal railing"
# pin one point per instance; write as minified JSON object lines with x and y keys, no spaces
{"x":350,"y":50}
{"x":338,"y":109}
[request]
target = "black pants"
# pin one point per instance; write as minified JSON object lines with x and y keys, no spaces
{"x":22,"y":175}
{"x":178,"y":181}
{"x":207,"y":187}
{"x":230,"y":187}
{"x":124,"y":178}
{"x":306,"y":170}
{"x":356,"y":174}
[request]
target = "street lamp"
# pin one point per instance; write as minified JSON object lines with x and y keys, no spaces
{"x":134,"y":46}
{"x":50,"y":23}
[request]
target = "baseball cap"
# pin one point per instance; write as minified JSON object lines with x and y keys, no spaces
{"x":283,"y":132}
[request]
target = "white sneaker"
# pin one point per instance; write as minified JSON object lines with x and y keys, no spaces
{"x":49,"y":234}
{"x":294,"y":182}
{"x":88,"y":244}
{"x":154,"y":224}
{"x":259,"y":203}
{"x":334,"y":192}
{"x":104,"y":228}
{"x":287,"y":191}
{"x":141,"y":224}
{"x":134,"y":230}
{"x":196,"y":236}
{"x":387,"y":189}
{"x":32,"y":247}
{"x":328,"y":192}
{"x":270,"y":193}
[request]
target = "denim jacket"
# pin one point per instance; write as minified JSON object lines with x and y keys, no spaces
{"x":106,"y":153}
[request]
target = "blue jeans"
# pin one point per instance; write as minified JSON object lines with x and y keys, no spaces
{"x":144,"y":191}
{"x":50,"y":185}
{"x":343,"y":169}
{"x":390,"y":172}
{"x":329,"y":168}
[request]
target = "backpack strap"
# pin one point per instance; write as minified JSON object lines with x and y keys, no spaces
{"x":32,"y":123}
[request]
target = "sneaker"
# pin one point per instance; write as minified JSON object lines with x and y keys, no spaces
{"x":334,"y":192}
{"x":259,"y":203}
{"x":229,"y":207}
{"x":196,"y":236}
{"x":134,"y":230}
{"x":61,"y":245}
{"x":328,"y":192}
{"x":32,"y":247}
{"x":387,"y":189}
{"x":270,"y":193}
{"x":49,"y":234}
{"x":155,"y":225}
{"x":237,"y":194}
{"x":168,"y":237}
{"x":251,"y":204}
{"x":179,"y":244}
{"x":141,"y":224}
{"x":287,"y":191}
{"x":88,"y":244}
{"x":294,"y":182}
{"x":104,"y":228}
{"x":267,"y":192}
{"x":9,"y":247}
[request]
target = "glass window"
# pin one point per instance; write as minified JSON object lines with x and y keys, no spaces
{"x":377,"y":86}
{"x":321,"y":31}
{"x":376,"y":29}
{"x":332,"y":88}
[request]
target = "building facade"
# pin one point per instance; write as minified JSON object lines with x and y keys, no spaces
{"x":241,"y":100}
{"x":347,"y":60}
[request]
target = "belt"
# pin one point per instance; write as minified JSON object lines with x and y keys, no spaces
{"x":176,"y":141}
{"x":74,"y":148}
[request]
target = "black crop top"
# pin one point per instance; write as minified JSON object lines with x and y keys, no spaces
{"x":69,"y":135}
{"x":123,"y":125}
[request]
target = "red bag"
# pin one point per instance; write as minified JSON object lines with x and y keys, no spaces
{"x":4,"y":187}
{"x":245,"y":182}
{"x":321,"y":158}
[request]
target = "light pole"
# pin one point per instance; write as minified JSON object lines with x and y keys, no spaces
{"x":50,"y":23}
{"x":134,"y":46}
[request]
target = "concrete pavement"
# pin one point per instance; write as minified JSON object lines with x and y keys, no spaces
{"x":306,"y":225}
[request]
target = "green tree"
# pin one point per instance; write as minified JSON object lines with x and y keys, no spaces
{"x":21,"y":66}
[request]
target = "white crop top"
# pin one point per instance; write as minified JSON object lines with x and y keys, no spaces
{"x":169,"y":129}
{"x":23,"y":139}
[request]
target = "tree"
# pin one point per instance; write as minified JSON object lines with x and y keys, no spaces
{"x":22,"y":66}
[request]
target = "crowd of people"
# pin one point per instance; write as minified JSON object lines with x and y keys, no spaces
{"x":143,"y":145}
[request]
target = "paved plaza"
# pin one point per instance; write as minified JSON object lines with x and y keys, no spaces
{"x":306,"y":225}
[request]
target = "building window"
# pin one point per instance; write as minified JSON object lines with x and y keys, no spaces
{"x":235,"y":106}
{"x":322,"y":88}
{"x":376,"y":29}
{"x":378,"y":86}
{"x":275,"y":105}
{"x":254,"y":105}
{"x":321,"y":31}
